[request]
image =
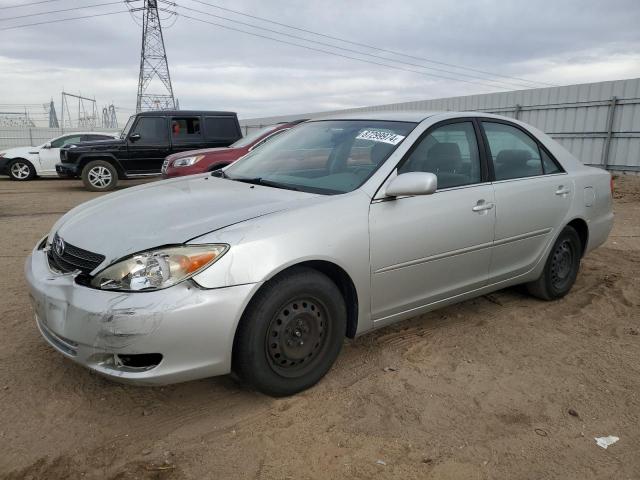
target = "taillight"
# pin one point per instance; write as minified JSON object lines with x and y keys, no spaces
{"x":611,"y":185}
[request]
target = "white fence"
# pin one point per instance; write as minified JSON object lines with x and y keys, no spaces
{"x":22,"y":137}
{"x":598,"y":122}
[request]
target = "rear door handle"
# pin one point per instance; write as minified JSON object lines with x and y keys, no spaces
{"x":562,"y":190}
{"x":482,"y":206}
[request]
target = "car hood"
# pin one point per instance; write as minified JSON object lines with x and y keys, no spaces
{"x":97,"y":144}
{"x":168,"y":212}
{"x":19,"y":151}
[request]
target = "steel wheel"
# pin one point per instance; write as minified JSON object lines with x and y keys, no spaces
{"x":99,"y":176}
{"x":562,"y":265}
{"x":20,"y":170}
{"x":291,"y":332}
{"x":561,"y":268}
{"x":296,"y":335}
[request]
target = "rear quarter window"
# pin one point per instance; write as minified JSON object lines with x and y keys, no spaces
{"x":221,"y":128}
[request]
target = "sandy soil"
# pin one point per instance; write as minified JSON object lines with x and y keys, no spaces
{"x":476,"y":391}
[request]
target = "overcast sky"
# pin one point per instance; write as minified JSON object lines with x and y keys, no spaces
{"x":558,"y":42}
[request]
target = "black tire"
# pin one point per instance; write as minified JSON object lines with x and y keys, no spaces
{"x":21,"y":170}
{"x":99,"y":176}
{"x":270,"y":353}
{"x":561,"y":268}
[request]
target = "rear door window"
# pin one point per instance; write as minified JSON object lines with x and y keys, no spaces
{"x":550,"y":166}
{"x":514,"y":153}
{"x":186,"y":129}
{"x":61,"y":142}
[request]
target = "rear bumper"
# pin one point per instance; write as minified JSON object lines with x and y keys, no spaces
{"x":67,"y":170}
{"x":191,"y":328}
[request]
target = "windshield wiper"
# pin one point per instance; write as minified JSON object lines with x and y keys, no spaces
{"x":220,"y":174}
{"x":266,"y":183}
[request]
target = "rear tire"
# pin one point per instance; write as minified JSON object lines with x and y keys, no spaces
{"x":21,"y":170}
{"x":561,"y":268}
{"x":99,"y":176}
{"x":291,"y":333}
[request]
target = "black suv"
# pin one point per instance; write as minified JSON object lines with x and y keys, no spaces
{"x":144,"y":142}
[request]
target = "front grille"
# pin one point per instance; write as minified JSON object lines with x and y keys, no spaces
{"x":72,"y":258}
{"x":165,"y":164}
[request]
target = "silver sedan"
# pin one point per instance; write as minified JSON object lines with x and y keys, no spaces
{"x":338,"y":227}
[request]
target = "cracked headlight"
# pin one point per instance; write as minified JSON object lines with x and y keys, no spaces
{"x":187,"y":161}
{"x":158,"y":269}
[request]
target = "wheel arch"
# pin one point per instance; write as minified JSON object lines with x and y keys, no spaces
{"x":582,"y":228}
{"x":13,"y":160}
{"x":85,"y":159}
{"x":22,"y":159}
{"x":337,"y":275}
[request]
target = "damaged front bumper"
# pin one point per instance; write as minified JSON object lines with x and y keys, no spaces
{"x":181,"y":333}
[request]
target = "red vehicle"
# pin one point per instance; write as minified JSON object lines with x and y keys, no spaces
{"x":209,"y":159}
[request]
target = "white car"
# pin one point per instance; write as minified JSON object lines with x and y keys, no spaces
{"x":26,"y":163}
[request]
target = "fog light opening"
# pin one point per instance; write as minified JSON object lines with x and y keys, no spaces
{"x":139,"y":361}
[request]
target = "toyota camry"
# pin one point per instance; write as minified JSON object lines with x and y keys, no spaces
{"x":342,"y":226}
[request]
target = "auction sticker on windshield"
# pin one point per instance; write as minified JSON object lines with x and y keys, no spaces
{"x":380,"y":136}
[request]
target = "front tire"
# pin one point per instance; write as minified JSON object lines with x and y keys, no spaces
{"x":561,"y":268}
{"x":291,"y":333}
{"x":21,"y":170}
{"x":99,"y":176}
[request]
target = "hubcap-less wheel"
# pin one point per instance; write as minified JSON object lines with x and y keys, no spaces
{"x":296,"y":335}
{"x":20,"y":171}
{"x":562,"y":265}
{"x":99,"y":177}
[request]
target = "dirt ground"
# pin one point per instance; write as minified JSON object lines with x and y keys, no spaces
{"x":479,"y":390}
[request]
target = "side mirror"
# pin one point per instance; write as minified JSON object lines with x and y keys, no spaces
{"x":134,"y":137}
{"x":47,"y":145}
{"x":412,"y":183}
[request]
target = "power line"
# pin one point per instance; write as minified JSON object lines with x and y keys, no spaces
{"x":372,"y":46}
{"x":499,"y":82}
{"x":62,"y":20}
{"x":59,"y":11}
{"x":27,"y":4}
{"x":333,"y":53}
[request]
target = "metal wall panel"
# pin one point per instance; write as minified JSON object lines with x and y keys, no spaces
{"x":575,"y":115}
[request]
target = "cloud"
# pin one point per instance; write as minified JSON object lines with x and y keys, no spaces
{"x":213,"y":68}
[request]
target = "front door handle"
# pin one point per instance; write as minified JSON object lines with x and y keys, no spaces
{"x":481,"y":206}
{"x":562,"y":190}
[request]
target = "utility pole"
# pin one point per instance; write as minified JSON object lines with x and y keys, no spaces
{"x":53,"y":118}
{"x":154,"y":85}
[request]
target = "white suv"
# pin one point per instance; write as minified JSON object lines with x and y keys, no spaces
{"x":26,"y":163}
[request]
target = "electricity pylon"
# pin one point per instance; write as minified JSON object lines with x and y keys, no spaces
{"x":154,"y":85}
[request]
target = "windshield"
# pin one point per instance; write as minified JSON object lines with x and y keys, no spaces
{"x":329,"y":157}
{"x":252,"y":137}
{"x":127,"y":127}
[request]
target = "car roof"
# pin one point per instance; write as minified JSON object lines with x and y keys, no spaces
{"x":88,"y":133}
{"x":393,"y":116}
{"x":186,"y":112}
{"x":406,"y":115}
